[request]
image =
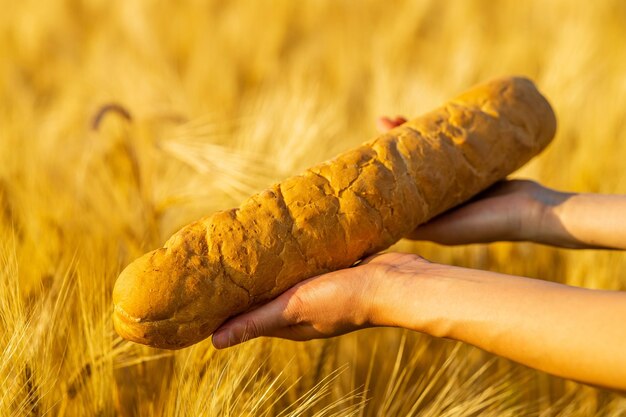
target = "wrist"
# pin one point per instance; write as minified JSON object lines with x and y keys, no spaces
{"x":544,"y":220}
{"x":413,"y":299}
{"x":550,"y":228}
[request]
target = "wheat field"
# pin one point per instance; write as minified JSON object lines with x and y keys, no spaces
{"x":122,"y":121}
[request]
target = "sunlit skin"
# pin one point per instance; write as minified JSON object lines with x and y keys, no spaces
{"x":567,"y":331}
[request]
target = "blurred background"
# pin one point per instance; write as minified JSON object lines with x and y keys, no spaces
{"x":122,"y":121}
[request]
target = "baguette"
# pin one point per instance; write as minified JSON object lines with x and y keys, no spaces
{"x":332,"y":215}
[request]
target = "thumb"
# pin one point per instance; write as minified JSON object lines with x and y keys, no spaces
{"x":265,"y":320}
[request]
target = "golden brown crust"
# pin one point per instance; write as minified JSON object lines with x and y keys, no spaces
{"x":331,"y":215}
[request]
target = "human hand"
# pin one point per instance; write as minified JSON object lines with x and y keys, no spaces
{"x":526,"y":320}
{"x":511,"y":210}
{"x":328,"y":305}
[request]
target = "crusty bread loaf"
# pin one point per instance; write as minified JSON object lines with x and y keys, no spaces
{"x":330,"y":216}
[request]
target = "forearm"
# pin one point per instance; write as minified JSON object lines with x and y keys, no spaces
{"x":571,"y":332}
{"x":585,"y":221}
